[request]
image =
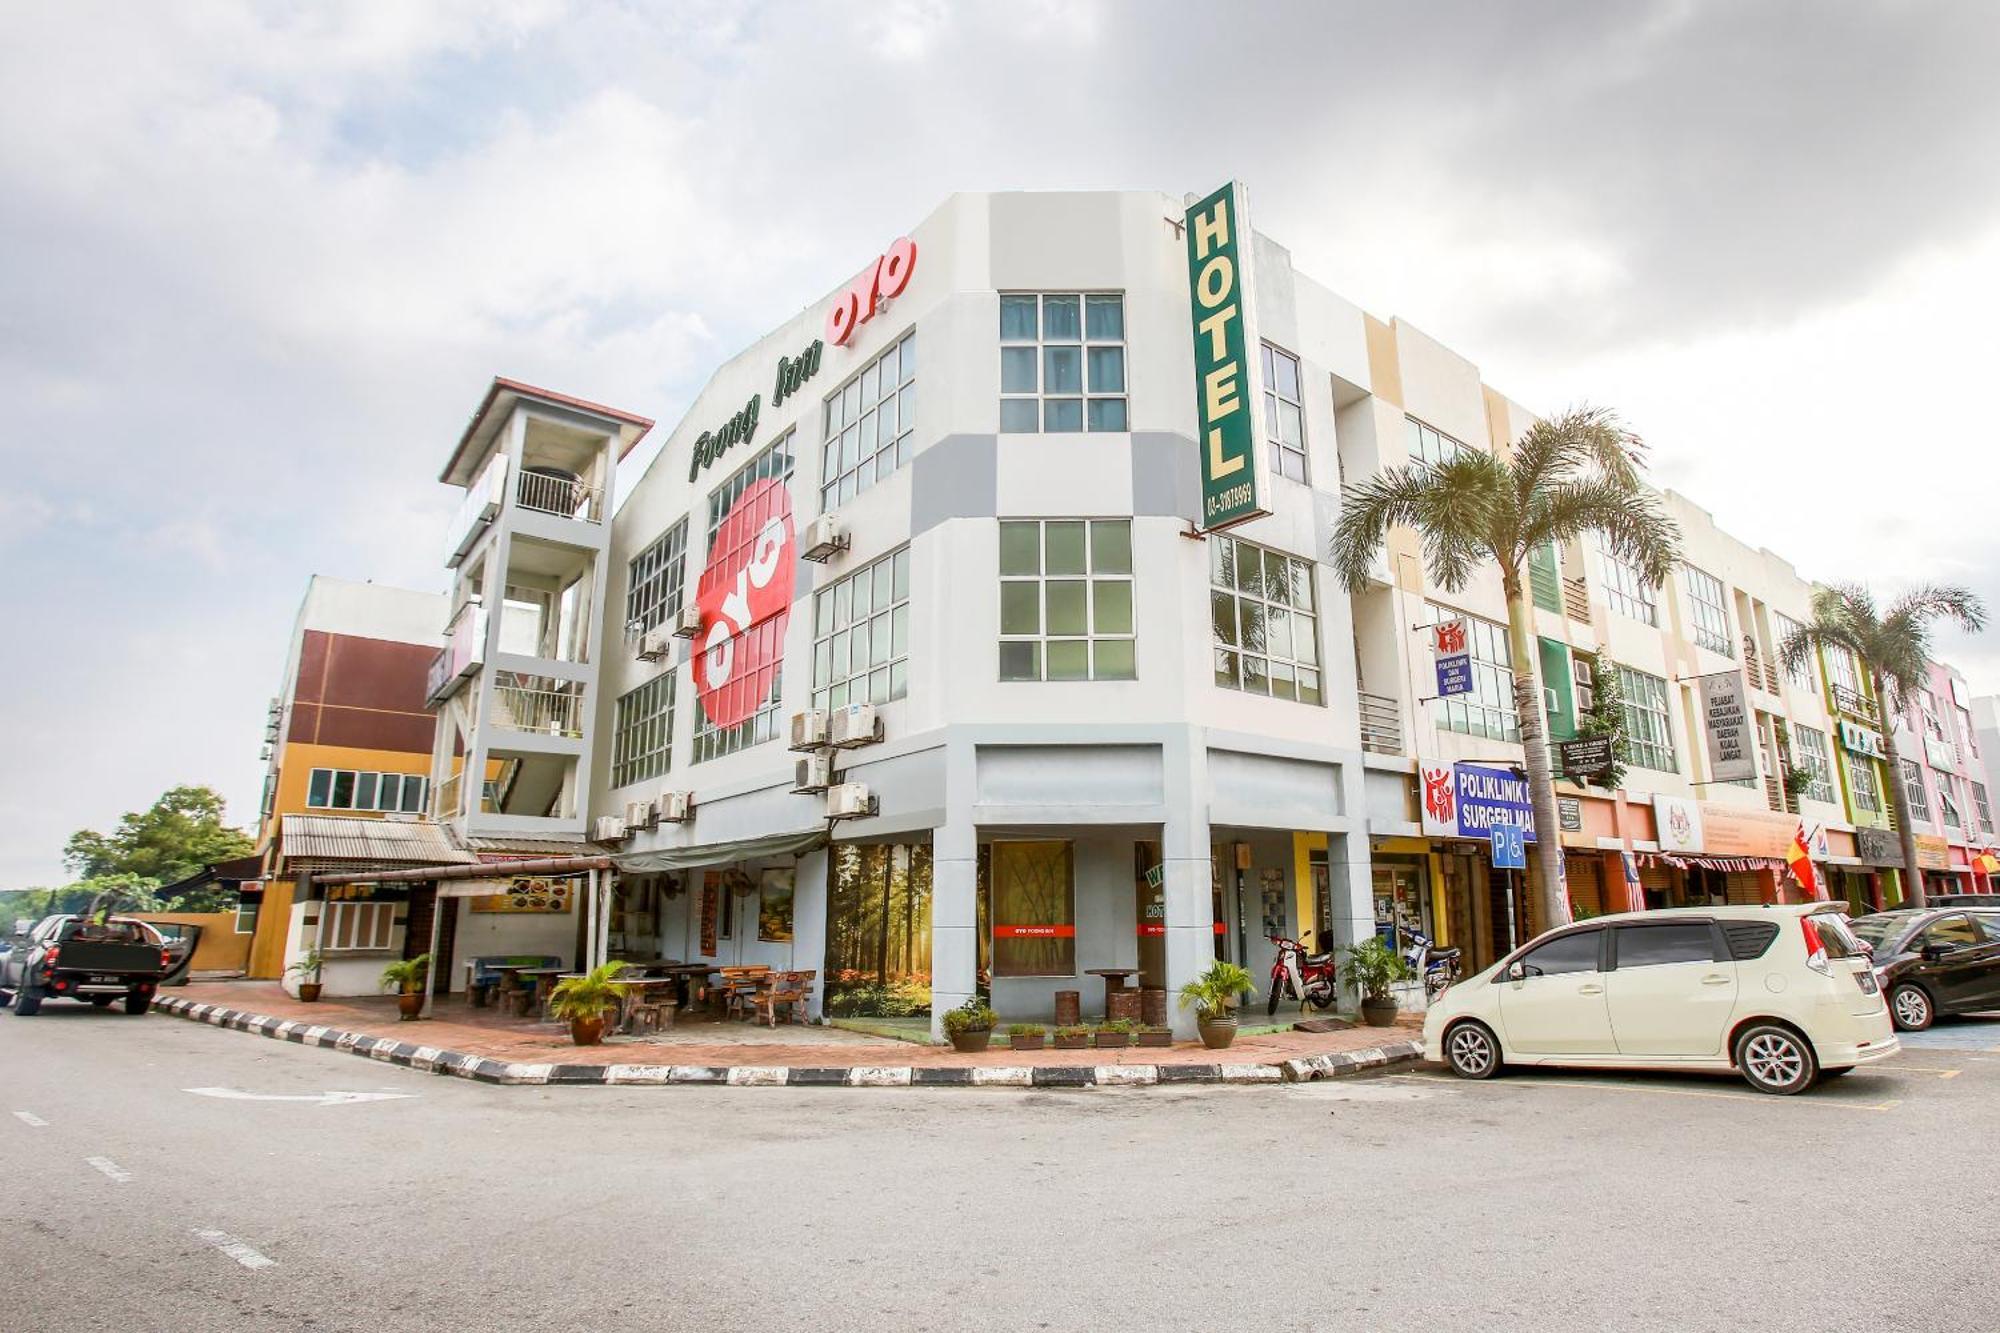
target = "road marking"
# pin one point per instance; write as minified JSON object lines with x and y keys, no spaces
{"x":30,"y":1118}
{"x":316,"y":1098}
{"x":236,"y":1249}
{"x":1918,"y":1069}
{"x":110,"y":1168}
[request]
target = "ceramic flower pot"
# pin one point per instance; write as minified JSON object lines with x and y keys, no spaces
{"x":409,"y":1004}
{"x":309,"y":991}
{"x":587,"y":1031}
{"x":1379,"y":1013}
{"x":1216,"y":1032}
{"x":972,"y":1042}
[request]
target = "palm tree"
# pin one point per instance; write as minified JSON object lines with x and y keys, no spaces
{"x":1569,"y":475}
{"x":1894,"y":649}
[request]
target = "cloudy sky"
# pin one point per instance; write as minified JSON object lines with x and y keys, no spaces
{"x":258,"y":261}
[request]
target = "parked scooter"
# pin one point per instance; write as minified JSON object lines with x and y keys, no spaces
{"x":1299,"y":975}
{"x":1438,"y":967}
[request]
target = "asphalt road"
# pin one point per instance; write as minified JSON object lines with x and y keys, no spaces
{"x":1548,"y":1201}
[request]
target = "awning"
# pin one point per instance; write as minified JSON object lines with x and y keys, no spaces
{"x":720,"y":853}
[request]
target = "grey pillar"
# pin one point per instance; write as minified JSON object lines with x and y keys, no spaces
{"x":809,"y":898}
{"x":1188,"y":886}
{"x":955,"y":892}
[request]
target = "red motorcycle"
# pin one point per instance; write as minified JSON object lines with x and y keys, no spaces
{"x":1298,"y":975}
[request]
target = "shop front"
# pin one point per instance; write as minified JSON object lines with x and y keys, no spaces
{"x":1714,"y":853}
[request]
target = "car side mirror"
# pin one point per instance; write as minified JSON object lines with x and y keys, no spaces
{"x":1933,"y":952}
{"x":1517,"y":971}
{"x":21,"y":928}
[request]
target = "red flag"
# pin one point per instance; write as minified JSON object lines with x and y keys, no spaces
{"x":1800,"y":861}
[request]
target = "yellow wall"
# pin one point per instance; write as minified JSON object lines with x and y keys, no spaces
{"x":220,"y":948}
{"x":300,"y":759}
{"x":267,"y":950}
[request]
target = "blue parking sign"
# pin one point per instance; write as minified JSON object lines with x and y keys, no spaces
{"x":1510,"y":847}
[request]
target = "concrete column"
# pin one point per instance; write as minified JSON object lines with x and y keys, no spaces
{"x":1353,"y":895}
{"x":809,"y":899}
{"x":1188,"y":885}
{"x":955,"y":891}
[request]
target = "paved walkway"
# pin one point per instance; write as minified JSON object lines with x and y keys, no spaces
{"x":488,"y":1034}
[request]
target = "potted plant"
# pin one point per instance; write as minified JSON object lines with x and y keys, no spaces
{"x":407,"y":977}
{"x":586,"y":1000}
{"x":1115,"y":1032}
{"x":1025,"y":1036}
{"x":970,"y":1026}
{"x":307,"y":969}
{"x":1072,"y":1038}
{"x":1373,"y":967}
{"x":1156,"y":1036}
{"x":1213,"y":996}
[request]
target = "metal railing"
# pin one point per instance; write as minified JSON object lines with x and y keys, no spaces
{"x":559,"y":494}
{"x":444,"y":798}
{"x":1381,"y":724}
{"x":1774,"y":793}
{"x":1576,"y":599}
{"x":556,"y":711}
{"x":1852,"y":702}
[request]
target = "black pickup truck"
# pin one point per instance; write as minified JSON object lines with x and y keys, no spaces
{"x":81,"y":958}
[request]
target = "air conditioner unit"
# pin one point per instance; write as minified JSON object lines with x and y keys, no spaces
{"x":1586,"y":698}
{"x":815,"y":772}
{"x":655,"y":644}
{"x":822,"y":540}
{"x":609,"y":828}
{"x":853,"y":725}
{"x":640,"y":814}
{"x":809,"y":729}
{"x":1549,"y":704}
{"x":675,"y":807}
{"x":850,"y":800}
{"x":687,"y":621}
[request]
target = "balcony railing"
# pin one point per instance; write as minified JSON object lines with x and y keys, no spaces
{"x":1576,"y":599}
{"x":444,"y":798}
{"x":1852,"y":702}
{"x":463,"y":652}
{"x":558,"y":493}
{"x":545,"y":710}
{"x":1381,"y":724}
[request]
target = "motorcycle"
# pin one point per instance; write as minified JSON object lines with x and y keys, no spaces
{"x":1299,"y":975}
{"x":1438,"y":967}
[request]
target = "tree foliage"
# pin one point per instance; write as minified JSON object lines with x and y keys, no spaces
{"x":1606,"y":717}
{"x":177,"y":836}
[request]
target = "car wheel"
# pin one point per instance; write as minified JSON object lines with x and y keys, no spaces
{"x":138,"y":1004}
{"x":1472,"y":1050}
{"x":1910,"y":1006}
{"x":1776,"y":1060}
{"x":27,"y":1003}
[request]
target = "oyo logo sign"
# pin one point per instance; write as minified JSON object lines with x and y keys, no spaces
{"x":745,"y":599}
{"x":881,"y":280}
{"x":1439,"y":798}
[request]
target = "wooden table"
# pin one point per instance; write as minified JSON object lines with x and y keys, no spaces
{"x":1114,"y":981}
{"x":689,"y":975}
{"x":543,"y":980}
{"x":635,"y":991}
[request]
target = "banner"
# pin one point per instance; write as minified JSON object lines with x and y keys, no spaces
{"x":1227,"y":396}
{"x":1731,"y":726}
{"x":1468,"y":800}
{"x":745,"y":598}
{"x":1451,"y":645}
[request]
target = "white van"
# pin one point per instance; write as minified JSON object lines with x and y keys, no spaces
{"x":1783,"y":994}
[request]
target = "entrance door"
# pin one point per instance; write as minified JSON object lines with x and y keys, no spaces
{"x":1149,"y":889}
{"x":1558,"y":1007}
{"x":1322,"y":891}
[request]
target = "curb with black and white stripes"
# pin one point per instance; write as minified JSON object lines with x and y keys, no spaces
{"x":482,"y":1069}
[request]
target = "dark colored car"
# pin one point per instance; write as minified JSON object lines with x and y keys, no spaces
{"x":1933,"y":961}
{"x":1989,"y":901}
{"x":73,"y":958}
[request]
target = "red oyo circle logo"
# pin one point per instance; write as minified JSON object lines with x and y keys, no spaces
{"x":745,"y":599}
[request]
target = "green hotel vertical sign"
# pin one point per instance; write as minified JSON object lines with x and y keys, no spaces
{"x":1225,"y":365}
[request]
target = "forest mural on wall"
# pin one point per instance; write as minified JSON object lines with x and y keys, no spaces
{"x":878,"y":930}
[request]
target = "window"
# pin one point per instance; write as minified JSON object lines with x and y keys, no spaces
{"x":1657,"y":946}
{"x":357,"y":927}
{"x":1979,"y":804}
{"x":861,"y":635}
{"x":1066,"y":600}
{"x":1948,"y":799}
{"x":1284,"y":413}
{"x":1952,"y":932}
{"x":1626,"y":587}
{"x":653,"y":587}
{"x":1842,"y":669}
{"x":1803,"y":676}
{"x":1708,"y":611}
{"x":642,"y":744}
{"x":1863,"y":784}
{"x":1913,"y":787}
{"x":869,"y":424}
{"x":1062,"y":363}
{"x":1489,"y":709}
{"x":342,"y":789}
{"x":1427,"y":444}
{"x":764,"y":641}
{"x":246,"y":915}
{"x":1649,"y":732}
{"x":1809,"y":752}
{"x":1033,"y":909}
{"x":1564,"y":955}
{"x":1265,"y":620}
{"x":1933,"y":724}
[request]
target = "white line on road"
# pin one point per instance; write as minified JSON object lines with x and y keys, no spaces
{"x":236,"y":1249}
{"x":30,"y":1118}
{"x":110,"y":1168}
{"x":316,"y":1098}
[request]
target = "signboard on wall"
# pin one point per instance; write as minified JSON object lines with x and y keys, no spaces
{"x":1469,"y":800}
{"x":1678,"y":824}
{"x":526,"y":894}
{"x":1933,"y":852}
{"x":1569,"y":814}
{"x":1585,"y":759}
{"x":1736,"y":830}
{"x":1730,"y":724}
{"x":1452,"y":648}
{"x":1227,"y":393}
{"x":745,"y":599}
{"x":1878,"y":847}
{"x":711,"y":910}
{"x":1857,"y":739}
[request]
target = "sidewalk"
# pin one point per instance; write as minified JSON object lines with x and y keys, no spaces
{"x":486,"y":1045}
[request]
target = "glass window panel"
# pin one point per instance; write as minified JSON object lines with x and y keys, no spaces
{"x":1021,"y":659}
{"x":1291,"y":425}
{"x":1062,"y":319}
{"x":879,"y":640}
{"x":899,"y":636}
{"x":1111,"y":606}
{"x":1107,"y":370}
{"x":857,"y":646}
{"x":413,"y":794}
{"x":1283,"y":686}
{"x":1066,"y":610}
{"x":1017,"y":319}
{"x":1286,"y":377}
{"x":870,"y":388}
{"x":1255,"y":675}
{"x":1305,"y":639}
{"x":1020,"y":548}
{"x":1020,"y":607}
{"x":864,"y":590}
{"x":1250,"y":617}
{"x":1222,"y":609}
{"x":343,"y":790}
{"x":1017,"y":370}
{"x":1308,"y":686}
{"x":1069,"y":659}
{"x":885,"y":577}
{"x":1111,"y":547}
{"x":1020,"y":416}
{"x":1107,"y":414}
{"x":1278,"y":632}
{"x":1113,"y":659}
{"x":908,"y":352}
{"x":822,"y":613}
{"x":364,"y":790}
{"x":319,"y":788}
{"x":1062,"y":369}
{"x":1065,"y":548}
{"x":878,"y":686}
{"x":1104,"y":318}
{"x":902,"y":574}
{"x":899,"y":682}
{"x":1226,"y":673}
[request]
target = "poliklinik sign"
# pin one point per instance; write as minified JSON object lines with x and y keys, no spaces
{"x":1225,"y":362}
{"x":1467,"y":800}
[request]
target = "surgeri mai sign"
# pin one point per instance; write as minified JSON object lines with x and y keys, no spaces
{"x":1225,"y":357}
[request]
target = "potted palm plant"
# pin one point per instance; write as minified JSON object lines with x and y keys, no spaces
{"x":1213,"y":997}
{"x":307,"y":970}
{"x":586,"y":1000}
{"x":1372,"y":968}
{"x":407,"y":977}
{"x":970,"y":1026}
